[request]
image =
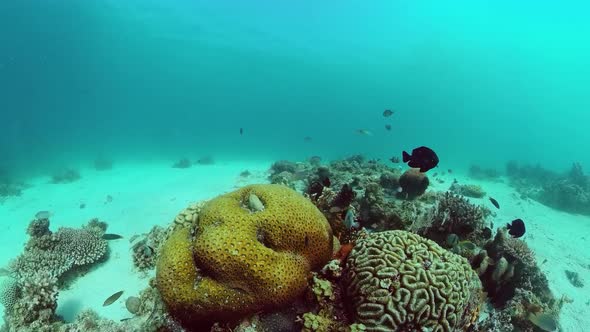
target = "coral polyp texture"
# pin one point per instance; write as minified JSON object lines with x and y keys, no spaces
{"x":399,"y":281}
{"x":241,"y":256}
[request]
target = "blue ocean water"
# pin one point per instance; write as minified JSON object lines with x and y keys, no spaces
{"x":480,"y":82}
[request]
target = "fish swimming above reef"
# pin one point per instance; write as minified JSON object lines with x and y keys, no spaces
{"x":423,"y":158}
{"x":350,"y":220}
{"x":43,"y":215}
{"x":388,"y":113}
{"x":516,"y":228}
{"x":307,"y":139}
{"x":241,"y":131}
{"x":112,"y":298}
{"x":388,"y":127}
{"x":364,"y":132}
{"x":394,"y":160}
{"x":495,"y":202}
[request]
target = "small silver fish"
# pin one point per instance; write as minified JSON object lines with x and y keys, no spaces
{"x":43,"y":215}
{"x":364,"y":132}
{"x":350,"y":220}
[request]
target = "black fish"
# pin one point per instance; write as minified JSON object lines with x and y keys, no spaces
{"x":387,"y":113}
{"x":241,"y":131}
{"x":109,"y":236}
{"x":423,"y":158}
{"x":388,"y":127}
{"x":495,"y":202}
{"x":326,"y":182}
{"x":307,"y":139}
{"x":516,"y":228}
{"x":112,"y":298}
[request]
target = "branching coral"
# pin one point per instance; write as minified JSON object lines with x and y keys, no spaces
{"x":453,"y":214}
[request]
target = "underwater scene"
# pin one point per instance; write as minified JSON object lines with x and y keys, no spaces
{"x":274,"y":166}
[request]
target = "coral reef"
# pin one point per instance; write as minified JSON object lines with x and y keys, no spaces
{"x":479,"y":173}
{"x":468,"y":190}
{"x":68,"y":175}
{"x":399,"y":281}
{"x":413,"y":183}
{"x":9,"y":293}
{"x":507,"y":264}
{"x":56,"y":253}
{"x":453,"y":214}
{"x":236,"y":260}
{"x":102,"y":163}
{"x":146,"y":247}
{"x":519,"y":314}
{"x":574,"y":278}
{"x":568,"y":192}
{"x":182,"y":163}
{"x":42,"y":268}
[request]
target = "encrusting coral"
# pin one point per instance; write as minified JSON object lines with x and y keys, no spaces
{"x":399,"y":281}
{"x":238,"y":260}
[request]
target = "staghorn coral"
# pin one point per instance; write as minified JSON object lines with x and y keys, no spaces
{"x":399,"y":281}
{"x":38,"y":228}
{"x":235,"y":261}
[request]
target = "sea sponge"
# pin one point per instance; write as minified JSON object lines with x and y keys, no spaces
{"x":237,"y":260}
{"x":413,"y":183}
{"x":399,"y":281}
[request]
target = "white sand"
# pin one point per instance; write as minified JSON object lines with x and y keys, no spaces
{"x":143,"y":196}
{"x":148,"y":195}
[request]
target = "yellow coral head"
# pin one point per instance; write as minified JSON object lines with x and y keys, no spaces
{"x":243,"y":257}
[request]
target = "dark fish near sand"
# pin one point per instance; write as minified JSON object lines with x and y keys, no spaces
{"x":388,"y":127}
{"x":495,"y":202}
{"x":110,"y":236}
{"x":387,"y":113}
{"x":111,"y":299}
{"x":423,"y":158}
{"x":516,"y":228}
{"x":43,"y":215}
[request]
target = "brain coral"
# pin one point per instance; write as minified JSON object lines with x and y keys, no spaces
{"x":239,"y":258}
{"x":399,"y":281}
